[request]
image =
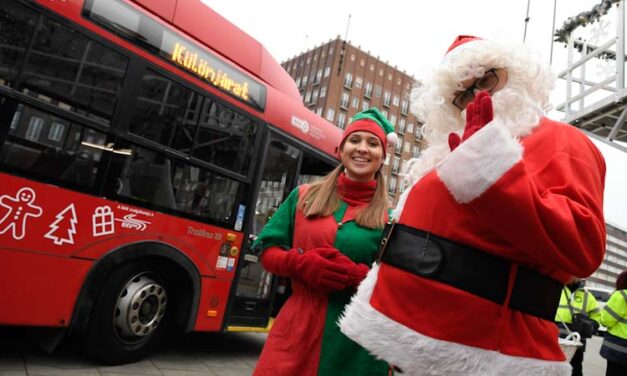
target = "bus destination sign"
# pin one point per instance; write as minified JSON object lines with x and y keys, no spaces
{"x":214,"y":71}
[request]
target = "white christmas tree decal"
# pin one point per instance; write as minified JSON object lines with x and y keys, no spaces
{"x":63,"y":229}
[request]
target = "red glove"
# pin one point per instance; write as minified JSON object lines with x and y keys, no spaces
{"x":356,"y":272}
{"x":478,"y":114}
{"x":314,"y":267}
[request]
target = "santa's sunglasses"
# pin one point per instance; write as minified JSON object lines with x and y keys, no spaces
{"x":485,"y":83}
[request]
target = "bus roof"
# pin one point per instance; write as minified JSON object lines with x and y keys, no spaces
{"x":203,"y":23}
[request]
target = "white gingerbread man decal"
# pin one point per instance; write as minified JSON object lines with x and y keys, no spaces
{"x":19,"y":208}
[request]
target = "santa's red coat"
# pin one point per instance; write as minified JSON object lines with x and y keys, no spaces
{"x":536,"y":201}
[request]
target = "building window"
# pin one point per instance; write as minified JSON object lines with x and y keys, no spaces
{"x":319,"y":111}
{"x":344,"y":100}
{"x":358,"y":82}
{"x":380,"y":71}
{"x":308,"y":96}
{"x":365,"y":105}
{"x":407,"y":147}
{"x":327,"y":71}
{"x":392,"y":185}
{"x":410,"y":127}
{"x":416,"y":152}
{"x":298,"y":82}
{"x":348,"y":80}
{"x":393,"y":120}
{"x":34,"y":128}
{"x":308,"y":60}
{"x":330,"y":114}
{"x":352,"y":57}
{"x":396,"y":165}
{"x":395,"y":100}
{"x":323,"y":92}
{"x":377,"y":91}
{"x":385,"y":113}
{"x":401,"y":126}
{"x":56,"y":131}
{"x":399,"y":146}
{"x":386,"y":98}
{"x":330,"y":50}
{"x":398,"y":81}
{"x":316,"y":57}
{"x":355,"y":102}
{"x":314,"y":95}
{"x":372,"y":67}
{"x":362,"y":62}
{"x":318,"y":76}
{"x":404,"y":107}
{"x":368,"y":90}
{"x":390,"y":76}
{"x":305,"y":80}
{"x":341,"y":119}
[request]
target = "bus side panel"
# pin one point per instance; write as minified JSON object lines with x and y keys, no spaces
{"x":213,"y":304}
{"x":39,"y":290}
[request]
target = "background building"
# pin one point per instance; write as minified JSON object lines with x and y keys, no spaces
{"x":615,"y":259}
{"x":337,"y":80}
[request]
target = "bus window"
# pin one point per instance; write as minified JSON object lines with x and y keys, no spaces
{"x":65,"y":65}
{"x":16,"y":28}
{"x":225,"y":138}
{"x":48,"y":146}
{"x":166,"y":112}
{"x":150,"y":177}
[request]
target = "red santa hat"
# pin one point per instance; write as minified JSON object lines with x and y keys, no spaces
{"x":461,"y":39}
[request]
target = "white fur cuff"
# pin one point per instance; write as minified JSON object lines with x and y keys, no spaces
{"x":479,"y":162}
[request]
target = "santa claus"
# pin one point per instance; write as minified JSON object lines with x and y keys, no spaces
{"x":505,"y":206}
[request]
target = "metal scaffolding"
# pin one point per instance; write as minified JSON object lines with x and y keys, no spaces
{"x":597,"y":105}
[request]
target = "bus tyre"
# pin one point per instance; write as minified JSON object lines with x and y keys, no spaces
{"x":129,"y":316}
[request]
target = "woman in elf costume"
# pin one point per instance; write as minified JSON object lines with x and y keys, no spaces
{"x":324,"y":237}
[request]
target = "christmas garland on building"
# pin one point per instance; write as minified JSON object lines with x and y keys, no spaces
{"x":582,"y":19}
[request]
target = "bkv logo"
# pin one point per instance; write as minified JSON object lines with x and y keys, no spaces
{"x":130,"y":222}
{"x":301,"y":124}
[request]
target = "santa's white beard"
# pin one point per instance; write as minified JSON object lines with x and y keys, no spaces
{"x":516,"y":110}
{"x":513,"y":107}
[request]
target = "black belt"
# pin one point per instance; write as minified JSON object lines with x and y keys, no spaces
{"x":469,"y":269}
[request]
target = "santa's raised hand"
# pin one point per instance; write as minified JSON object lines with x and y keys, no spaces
{"x":478,"y":114}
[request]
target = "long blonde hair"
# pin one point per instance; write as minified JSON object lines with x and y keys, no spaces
{"x":322,"y":199}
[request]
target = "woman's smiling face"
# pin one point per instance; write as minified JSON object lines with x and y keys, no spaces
{"x":362,"y":156}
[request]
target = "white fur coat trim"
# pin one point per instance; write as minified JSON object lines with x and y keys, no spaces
{"x":479,"y":162}
{"x":417,"y":354}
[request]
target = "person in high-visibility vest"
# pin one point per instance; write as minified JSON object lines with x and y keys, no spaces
{"x":575,"y":300}
{"x":614,"y":318}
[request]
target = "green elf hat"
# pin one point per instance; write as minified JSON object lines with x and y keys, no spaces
{"x":373,"y":121}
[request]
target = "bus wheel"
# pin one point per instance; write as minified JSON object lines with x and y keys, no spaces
{"x":130,"y":315}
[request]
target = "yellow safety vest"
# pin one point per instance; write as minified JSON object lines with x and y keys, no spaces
{"x":614,"y":314}
{"x":581,"y":301}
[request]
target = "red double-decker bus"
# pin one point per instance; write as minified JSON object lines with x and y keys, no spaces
{"x":142,"y":143}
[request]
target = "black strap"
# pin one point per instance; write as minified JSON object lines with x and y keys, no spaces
{"x":469,"y":269}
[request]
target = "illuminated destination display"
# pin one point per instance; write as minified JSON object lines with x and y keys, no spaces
{"x":182,"y":52}
{"x":211,"y":70}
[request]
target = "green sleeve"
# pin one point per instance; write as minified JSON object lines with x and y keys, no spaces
{"x":280,"y":228}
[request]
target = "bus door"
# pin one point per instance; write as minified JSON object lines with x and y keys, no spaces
{"x":258,"y":294}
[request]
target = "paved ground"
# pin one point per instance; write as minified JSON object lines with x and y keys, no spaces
{"x":214,"y":354}
{"x":211,"y":354}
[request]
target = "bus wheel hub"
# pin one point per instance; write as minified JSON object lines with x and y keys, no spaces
{"x":140,"y":307}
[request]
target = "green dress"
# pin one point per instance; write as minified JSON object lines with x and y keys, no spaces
{"x":305,"y":339}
